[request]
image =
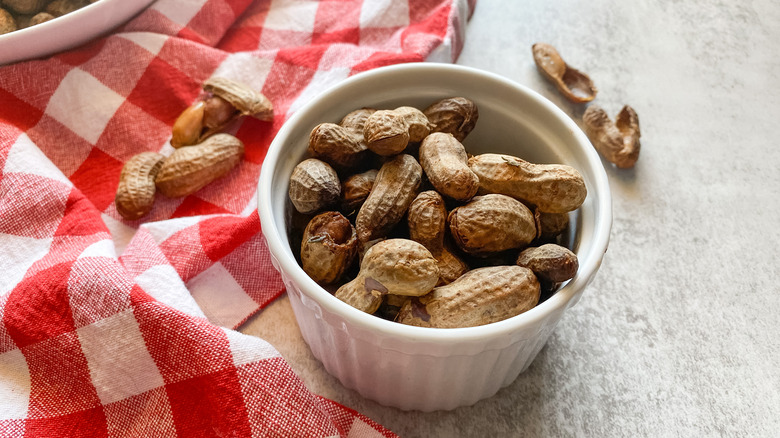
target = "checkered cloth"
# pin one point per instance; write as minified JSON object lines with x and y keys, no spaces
{"x":113,"y":328}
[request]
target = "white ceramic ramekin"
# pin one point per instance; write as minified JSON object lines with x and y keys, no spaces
{"x":423,"y":368}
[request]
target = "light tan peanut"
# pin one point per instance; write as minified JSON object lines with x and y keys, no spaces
{"x":314,"y":185}
{"x":355,"y":190}
{"x":246,"y":100}
{"x":329,"y":247}
{"x":135,"y":193}
{"x":386,"y":132}
{"x":393,"y":266}
{"x":453,"y":115}
{"x":492,"y":223}
{"x":481,"y":296}
{"x":356,"y":120}
{"x":341,"y":147}
{"x":427,"y":219}
{"x":445,"y":162}
{"x":551,"y":262}
{"x":189,"y":169}
{"x":394,"y":189}
{"x":419,"y":126}
{"x":572,"y":83}
{"x":7,"y":22}
{"x":617,"y":141}
{"x":552,"y":188}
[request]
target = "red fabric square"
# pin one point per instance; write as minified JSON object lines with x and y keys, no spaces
{"x":193,"y":206}
{"x":237,"y":39}
{"x":257,"y":136}
{"x":84,"y":54}
{"x":213,"y":18}
{"x":164,"y":91}
{"x":26,"y":198}
{"x":219,"y":236}
{"x":60,"y":383}
{"x":90,"y":423}
{"x":98,"y":177}
{"x":381,"y":59}
{"x":348,"y":36}
{"x":38,"y":308}
{"x":335,"y":16}
{"x":16,"y":112}
{"x":283,"y":73}
{"x":182,"y":346}
{"x":60,"y":145}
{"x":209,"y":405}
{"x":250,"y":265}
{"x":80,"y":217}
{"x":12,"y":428}
{"x":132,"y":131}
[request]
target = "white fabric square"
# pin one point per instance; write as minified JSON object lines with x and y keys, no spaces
{"x":121,"y":234}
{"x":321,"y":80}
{"x":14,"y":385}
{"x":26,"y":157}
{"x":248,"y":349}
{"x":179,"y":11}
{"x":222,"y":299}
{"x":119,"y":363}
{"x":295,"y":15}
{"x":83,"y":104}
{"x":153,"y":42}
{"x":17,"y":254}
{"x":246,"y":68}
{"x":384,"y":13}
{"x":101,"y":248}
{"x":163,"y":283}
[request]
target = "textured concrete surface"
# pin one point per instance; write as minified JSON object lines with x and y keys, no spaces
{"x":678,"y":334}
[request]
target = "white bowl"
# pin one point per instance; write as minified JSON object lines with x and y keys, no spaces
{"x":67,"y":31}
{"x":424,"y":368}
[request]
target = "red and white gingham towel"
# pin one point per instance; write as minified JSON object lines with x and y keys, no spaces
{"x":117,"y":328}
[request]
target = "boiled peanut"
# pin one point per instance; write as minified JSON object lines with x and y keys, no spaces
{"x":551,"y":262}
{"x":339,"y":146}
{"x":314,"y":185}
{"x":7,"y":22}
{"x":572,"y":83}
{"x":394,"y":189}
{"x":552,"y":188}
{"x":551,"y":225}
{"x":189,"y":169}
{"x":445,"y":162}
{"x":453,"y":115}
{"x":329,"y":247}
{"x":492,"y":223}
{"x":481,"y":296}
{"x":135,"y":194}
{"x":393,"y":266}
{"x":388,"y":132}
{"x":427,"y":219}
{"x":355,"y":190}
{"x":617,"y":141}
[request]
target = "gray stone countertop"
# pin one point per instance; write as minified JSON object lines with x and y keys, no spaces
{"x":679,"y":334}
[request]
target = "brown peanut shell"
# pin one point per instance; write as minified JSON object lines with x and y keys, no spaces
{"x":445,"y":162}
{"x":551,"y":262}
{"x":246,"y":100}
{"x":314,"y":185}
{"x":454,"y":115}
{"x":492,"y":223}
{"x":135,"y":193}
{"x":329,"y":247}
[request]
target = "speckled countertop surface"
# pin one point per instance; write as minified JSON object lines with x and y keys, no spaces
{"x":679,"y":334}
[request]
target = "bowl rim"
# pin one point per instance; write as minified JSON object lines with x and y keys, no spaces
{"x":557,"y":302}
{"x":58,"y":35}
